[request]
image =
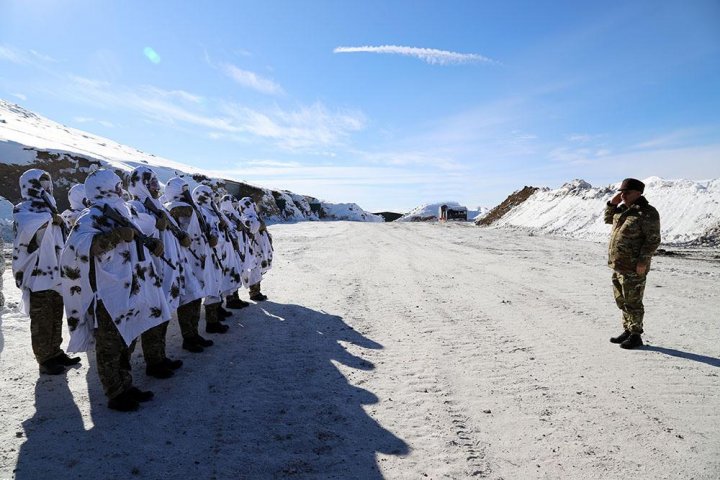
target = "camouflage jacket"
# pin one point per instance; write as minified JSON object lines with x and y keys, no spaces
{"x":635,"y":235}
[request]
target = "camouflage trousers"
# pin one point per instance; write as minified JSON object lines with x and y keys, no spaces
{"x":46,"y":314}
{"x":153,"y":344}
{"x":188,"y":318}
{"x":629,"y":289}
{"x":113,"y":356}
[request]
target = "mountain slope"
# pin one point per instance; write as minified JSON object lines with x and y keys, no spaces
{"x":29,"y":140}
{"x":689,"y":211}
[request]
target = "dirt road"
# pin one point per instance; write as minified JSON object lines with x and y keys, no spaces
{"x":403,"y":351}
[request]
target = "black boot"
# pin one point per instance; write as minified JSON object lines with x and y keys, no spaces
{"x":172,"y":364}
{"x":216,"y":328}
{"x":258,"y":297}
{"x":51,"y":367}
{"x":67,"y":361}
{"x":140,"y":395}
{"x":233,"y":302}
{"x":159,"y":370}
{"x":125,"y":402}
{"x":620,"y":338}
{"x":203,"y":342}
{"x":633,"y":341}
{"x":222,"y":313}
{"x":191,"y":345}
{"x":212,"y":323}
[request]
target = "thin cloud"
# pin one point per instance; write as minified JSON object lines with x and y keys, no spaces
{"x":429,"y":55}
{"x":252,"y":80}
{"x":20,"y":96}
{"x":22,"y":57}
{"x":306,"y":127}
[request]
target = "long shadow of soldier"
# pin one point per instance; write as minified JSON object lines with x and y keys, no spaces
{"x":712,"y":361}
{"x":52,"y":433}
{"x":266,"y":401}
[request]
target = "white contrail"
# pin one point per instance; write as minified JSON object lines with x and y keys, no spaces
{"x":429,"y":55}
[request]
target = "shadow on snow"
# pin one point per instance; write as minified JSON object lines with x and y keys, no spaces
{"x":266,"y":401}
{"x":712,"y":361}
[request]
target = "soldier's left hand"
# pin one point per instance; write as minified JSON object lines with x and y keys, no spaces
{"x":161,"y":223}
{"x":158,"y":249}
{"x":641,"y":269}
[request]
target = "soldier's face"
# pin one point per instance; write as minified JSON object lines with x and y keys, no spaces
{"x":153,"y":187}
{"x":630,"y":196}
{"x":46,"y":183}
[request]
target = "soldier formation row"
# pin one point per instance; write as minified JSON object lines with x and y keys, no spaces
{"x":117,"y":267}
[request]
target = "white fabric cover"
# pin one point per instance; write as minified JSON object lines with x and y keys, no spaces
{"x":129,"y":288}
{"x":37,"y":242}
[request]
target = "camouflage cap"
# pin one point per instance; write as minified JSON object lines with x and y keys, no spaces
{"x":632,"y":184}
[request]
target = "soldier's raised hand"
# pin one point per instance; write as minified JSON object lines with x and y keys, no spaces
{"x":616,"y":199}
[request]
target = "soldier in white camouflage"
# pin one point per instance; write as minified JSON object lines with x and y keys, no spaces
{"x":635,"y":237}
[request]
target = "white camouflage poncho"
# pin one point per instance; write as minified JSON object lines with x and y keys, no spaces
{"x":129,"y":288}
{"x":172,"y":279}
{"x":78,"y":204}
{"x":229,"y":259}
{"x":261,"y":242}
{"x":247,"y":259}
{"x":38,"y":242}
{"x":205,"y":268}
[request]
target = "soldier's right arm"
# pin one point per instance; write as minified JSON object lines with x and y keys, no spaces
{"x":610,"y":211}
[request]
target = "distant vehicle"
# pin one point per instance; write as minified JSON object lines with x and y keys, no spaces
{"x":446,"y":213}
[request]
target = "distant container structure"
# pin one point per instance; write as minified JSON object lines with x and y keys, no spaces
{"x":455,"y":212}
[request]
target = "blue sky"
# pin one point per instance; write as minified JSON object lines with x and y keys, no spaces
{"x":389,"y":104}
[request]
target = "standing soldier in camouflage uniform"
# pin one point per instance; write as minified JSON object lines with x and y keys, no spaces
{"x":39,"y":237}
{"x":112,"y":290}
{"x":635,"y":237}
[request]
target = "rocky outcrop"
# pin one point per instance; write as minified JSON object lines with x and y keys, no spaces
{"x":512,"y":201}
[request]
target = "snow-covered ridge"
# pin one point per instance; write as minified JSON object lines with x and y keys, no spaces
{"x":29,"y":140}
{"x":688,"y":210}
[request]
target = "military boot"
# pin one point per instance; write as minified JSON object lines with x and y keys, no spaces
{"x":620,"y":338}
{"x":67,"y":361}
{"x":212,"y":323}
{"x":159,"y":370}
{"x":51,"y":367}
{"x":125,"y":402}
{"x":172,"y":364}
{"x":140,"y":395}
{"x":233,"y":302}
{"x":222,"y":313}
{"x":633,"y":341}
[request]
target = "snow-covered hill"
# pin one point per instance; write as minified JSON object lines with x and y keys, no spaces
{"x":30,"y":140}
{"x":429,"y":212}
{"x":689,"y":211}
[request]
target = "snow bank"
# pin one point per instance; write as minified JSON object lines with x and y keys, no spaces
{"x":688,"y":209}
